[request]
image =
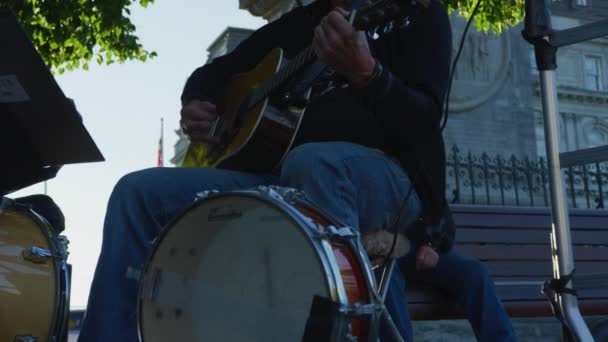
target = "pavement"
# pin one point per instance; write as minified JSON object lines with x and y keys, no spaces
{"x":73,"y":336}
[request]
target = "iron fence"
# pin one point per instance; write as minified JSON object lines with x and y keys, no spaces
{"x":496,"y":180}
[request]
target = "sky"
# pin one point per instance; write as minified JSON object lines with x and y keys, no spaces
{"x":122,"y":105}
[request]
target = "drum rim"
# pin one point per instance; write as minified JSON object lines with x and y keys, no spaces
{"x":335,"y":286}
{"x":61,"y":300}
{"x":367,"y":270}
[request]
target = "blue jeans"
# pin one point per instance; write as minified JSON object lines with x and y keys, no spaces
{"x":361,"y":187}
{"x":467,"y":280}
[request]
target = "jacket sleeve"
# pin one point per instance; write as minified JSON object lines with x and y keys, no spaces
{"x":292,"y":32}
{"x":408,"y":98}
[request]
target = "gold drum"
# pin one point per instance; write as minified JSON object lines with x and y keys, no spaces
{"x":34,"y":277}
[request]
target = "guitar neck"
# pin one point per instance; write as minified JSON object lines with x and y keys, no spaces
{"x":379,"y":14}
{"x":304,"y":58}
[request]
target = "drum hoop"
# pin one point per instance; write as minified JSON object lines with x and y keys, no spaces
{"x":372,"y":287}
{"x":359,"y":251}
{"x":355,"y":244}
{"x":361,"y":257}
{"x":61,"y":300}
{"x":321,"y":244}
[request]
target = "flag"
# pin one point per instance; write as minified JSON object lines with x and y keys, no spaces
{"x":160,"y":158}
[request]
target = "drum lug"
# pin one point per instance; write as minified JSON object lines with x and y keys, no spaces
{"x":343,"y":232}
{"x":358,"y":309}
{"x":25,"y":338}
{"x":272,"y":191}
{"x":204,"y":194}
{"x":320,"y":232}
{"x":36,"y":255}
{"x":289,"y":195}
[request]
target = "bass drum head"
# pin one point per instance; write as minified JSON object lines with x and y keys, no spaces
{"x":29,"y":290}
{"x":233,"y":268}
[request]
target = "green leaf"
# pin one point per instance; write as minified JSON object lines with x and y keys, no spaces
{"x":69,"y":34}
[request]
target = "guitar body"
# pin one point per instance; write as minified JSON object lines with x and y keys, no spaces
{"x":254,"y":140}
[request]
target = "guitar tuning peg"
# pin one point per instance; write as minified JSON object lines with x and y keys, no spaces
{"x":389,"y":27}
{"x":373,"y":34}
{"x":405,"y":23}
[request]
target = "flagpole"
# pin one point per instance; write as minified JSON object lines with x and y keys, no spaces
{"x":161,"y":156}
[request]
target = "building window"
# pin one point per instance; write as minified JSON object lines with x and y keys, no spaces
{"x":533,"y":67}
{"x":580,"y":3}
{"x":593,"y":73}
{"x":539,"y":132}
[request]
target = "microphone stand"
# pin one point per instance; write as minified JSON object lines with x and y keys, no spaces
{"x":538,"y":31}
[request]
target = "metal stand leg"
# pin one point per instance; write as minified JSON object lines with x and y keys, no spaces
{"x":563,"y":260}
{"x":389,"y":320}
{"x":387,"y":274}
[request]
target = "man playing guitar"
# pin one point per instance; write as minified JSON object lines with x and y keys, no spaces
{"x":368,"y":150}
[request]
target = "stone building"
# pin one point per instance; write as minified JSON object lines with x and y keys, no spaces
{"x":582,"y":79}
{"x":496,"y":109}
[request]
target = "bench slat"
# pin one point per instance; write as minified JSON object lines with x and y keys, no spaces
{"x":528,"y":252}
{"x":418,"y":293}
{"x":526,"y":221}
{"x":537,"y":269}
{"x":525,"y":236}
{"x":520,"y":210}
{"x":437,"y":310}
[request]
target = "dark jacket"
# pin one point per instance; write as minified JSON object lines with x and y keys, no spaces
{"x":400,"y":114}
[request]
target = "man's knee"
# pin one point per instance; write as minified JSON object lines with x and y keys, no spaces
{"x":133,"y":184}
{"x":311,"y":160}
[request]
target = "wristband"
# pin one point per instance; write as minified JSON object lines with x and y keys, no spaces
{"x":378,"y":84}
{"x":376,"y":74}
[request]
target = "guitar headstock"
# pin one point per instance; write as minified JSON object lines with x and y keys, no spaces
{"x":386,"y":13}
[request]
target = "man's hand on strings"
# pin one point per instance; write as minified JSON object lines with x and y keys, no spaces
{"x":338,"y":45}
{"x":197,"y":118}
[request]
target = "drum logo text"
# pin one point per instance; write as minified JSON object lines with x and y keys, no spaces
{"x":223,"y":214}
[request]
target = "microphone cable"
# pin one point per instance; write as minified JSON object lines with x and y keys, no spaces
{"x":444,"y":119}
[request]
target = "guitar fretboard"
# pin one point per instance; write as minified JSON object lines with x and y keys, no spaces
{"x":304,"y":58}
{"x":369,"y":17}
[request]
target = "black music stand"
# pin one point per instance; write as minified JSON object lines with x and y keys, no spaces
{"x":40,"y":129}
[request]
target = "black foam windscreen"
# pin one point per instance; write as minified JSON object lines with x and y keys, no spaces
{"x":321,"y":320}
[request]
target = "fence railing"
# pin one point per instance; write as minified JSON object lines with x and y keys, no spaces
{"x":498,"y":180}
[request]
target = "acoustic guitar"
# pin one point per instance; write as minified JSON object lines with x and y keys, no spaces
{"x":260,"y":116}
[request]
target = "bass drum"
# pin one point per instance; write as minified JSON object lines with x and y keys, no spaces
{"x":34,"y":277}
{"x":245,"y":266}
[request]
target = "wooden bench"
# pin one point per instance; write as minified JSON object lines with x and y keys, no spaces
{"x":514,"y":244}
